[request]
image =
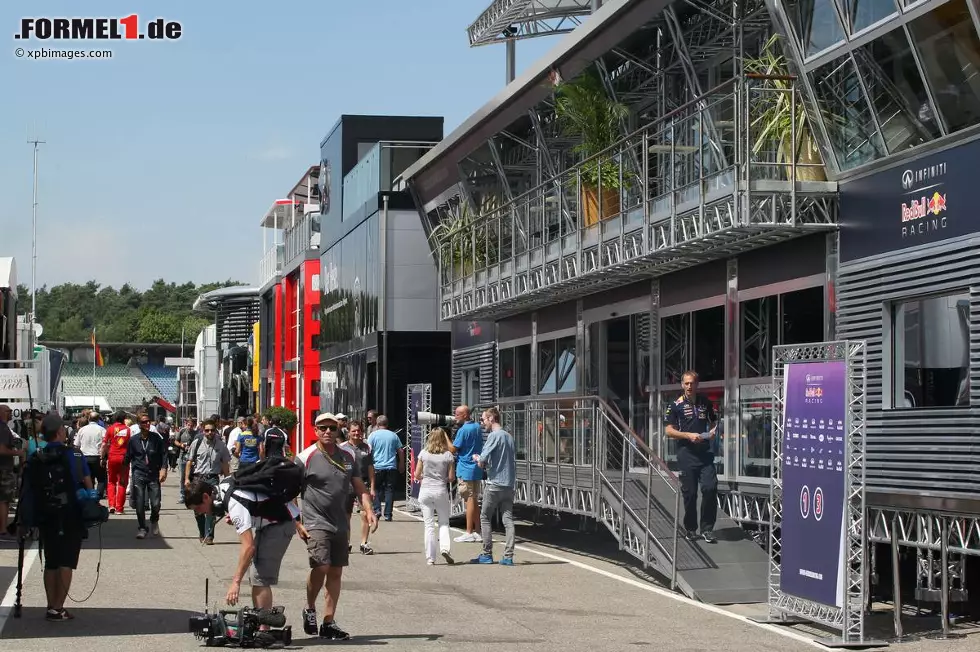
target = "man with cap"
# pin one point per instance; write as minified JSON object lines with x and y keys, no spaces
{"x":330,"y":475}
{"x":56,"y":480}
{"x":342,"y":432}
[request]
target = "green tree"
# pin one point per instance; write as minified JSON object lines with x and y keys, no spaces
{"x":70,"y":311}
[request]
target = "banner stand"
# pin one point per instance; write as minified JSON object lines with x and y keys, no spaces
{"x":418,"y":398}
{"x":817,"y":531}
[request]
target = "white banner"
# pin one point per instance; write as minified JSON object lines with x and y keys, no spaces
{"x":18,"y":385}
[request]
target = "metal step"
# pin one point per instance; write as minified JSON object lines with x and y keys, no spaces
{"x":732,"y":571}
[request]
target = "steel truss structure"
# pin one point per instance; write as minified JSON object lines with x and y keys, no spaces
{"x":849,"y":618}
{"x":414,"y":430}
{"x":511,"y":20}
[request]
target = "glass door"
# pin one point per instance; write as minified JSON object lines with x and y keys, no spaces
{"x":622,"y":357}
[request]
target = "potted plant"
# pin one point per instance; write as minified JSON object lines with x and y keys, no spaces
{"x":456,"y":238}
{"x":773,"y":123}
{"x":585,"y":111}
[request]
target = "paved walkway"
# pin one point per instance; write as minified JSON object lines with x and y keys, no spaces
{"x":553,"y":599}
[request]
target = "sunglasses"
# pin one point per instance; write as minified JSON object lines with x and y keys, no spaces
{"x":209,"y":430}
{"x":326,"y":428}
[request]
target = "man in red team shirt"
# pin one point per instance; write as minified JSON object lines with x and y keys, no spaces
{"x":114,"y":446}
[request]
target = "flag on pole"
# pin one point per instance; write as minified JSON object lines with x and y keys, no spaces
{"x":99,"y":362}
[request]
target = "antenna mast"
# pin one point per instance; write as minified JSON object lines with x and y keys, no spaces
{"x":35,"y":142}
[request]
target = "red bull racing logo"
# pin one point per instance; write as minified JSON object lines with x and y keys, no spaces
{"x":924,"y":207}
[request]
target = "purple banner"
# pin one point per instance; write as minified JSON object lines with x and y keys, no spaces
{"x":814,"y":478}
{"x":415,"y":398}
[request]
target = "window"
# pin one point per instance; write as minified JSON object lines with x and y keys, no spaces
{"x":950,"y":50}
{"x":802,"y":316}
{"x":315,"y":387}
{"x":931,"y":352}
{"x":515,"y":371}
{"x":847,"y":116}
{"x":556,"y":370}
{"x":709,"y":344}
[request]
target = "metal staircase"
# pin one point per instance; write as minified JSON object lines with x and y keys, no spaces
{"x":633,"y":493}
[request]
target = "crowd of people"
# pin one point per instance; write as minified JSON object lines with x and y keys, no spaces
{"x":243,"y":471}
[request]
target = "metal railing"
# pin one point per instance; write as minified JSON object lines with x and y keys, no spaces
{"x":379,"y":171}
{"x":740,"y":138}
{"x":271,"y":263}
{"x":573,"y":438}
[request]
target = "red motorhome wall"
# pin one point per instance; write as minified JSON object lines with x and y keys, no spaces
{"x":276,"y":397}
{"x":311,"y":351}
{"x":291,"y":292}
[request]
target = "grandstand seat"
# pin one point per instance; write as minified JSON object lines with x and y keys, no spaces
{"x":164,"y":379}
{"x":115,"y":382}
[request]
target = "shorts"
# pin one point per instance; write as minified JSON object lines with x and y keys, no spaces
{"x":469,"y":488}
{"x":271,"y":544}
{"x":8,"y":485}
{"x":61,"y":550}
{"x":327,"y":548}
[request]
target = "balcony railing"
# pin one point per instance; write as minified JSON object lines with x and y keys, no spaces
{"x":299,"y":238}
{"x":271,"y":264}
{"x":731,"y":170}
{"x":379,"y":171}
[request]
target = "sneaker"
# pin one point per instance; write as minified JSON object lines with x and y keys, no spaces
{"x":154,"y":529}
{"x":709,"y":537}
{"x":482,"y":559}
{"x":112,"y":510}
{"x":691,"y":535}
{"x":507,"y":561}
{"x":57,"y":615}
{"x":333,"y":632}
{"x":430,"y":562}
{"x":209,"y":541}
{"x":141,"y":534}
{"x":309,"y":621}
{"x":448,"y":557}
{"x":463,"y":538}
{"x":366,"y":549}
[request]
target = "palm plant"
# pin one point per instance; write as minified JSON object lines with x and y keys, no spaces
{"x":462,"y":242}
{"x":585,"y":111}
{"x":775,"y":119}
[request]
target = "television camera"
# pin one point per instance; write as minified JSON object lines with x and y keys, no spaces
{"x":240,"y":627}
{"x":433,"y":419}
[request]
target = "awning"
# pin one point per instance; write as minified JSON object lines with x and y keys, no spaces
{"x":165,"y":404}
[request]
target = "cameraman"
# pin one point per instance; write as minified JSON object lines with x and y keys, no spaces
{"x":56,"y":481}
{"x":263,"y":540}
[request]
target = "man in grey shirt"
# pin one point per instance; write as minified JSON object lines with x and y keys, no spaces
{"x":499,"y":460}
{"x":330,"y":474}
{"x":207,"y":459}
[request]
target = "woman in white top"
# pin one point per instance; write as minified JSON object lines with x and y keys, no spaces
{"x":435,"y":469}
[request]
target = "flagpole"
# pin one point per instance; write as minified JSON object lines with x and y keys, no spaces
{"x":95,"y":359}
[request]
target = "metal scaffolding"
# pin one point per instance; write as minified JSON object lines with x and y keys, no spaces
{"x":512,"y":20}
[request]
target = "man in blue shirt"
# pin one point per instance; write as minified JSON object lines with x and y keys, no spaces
{"x":468,"y":442}
{"x":389,"y":461}
{"x":499,"y":459}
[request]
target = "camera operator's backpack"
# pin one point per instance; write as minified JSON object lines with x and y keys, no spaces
{"x":277,"y":478}
{"x":53,"y":485}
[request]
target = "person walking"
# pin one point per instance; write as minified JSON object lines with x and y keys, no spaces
{"x":499,"y":460}
{"x":207,"y":461}
{"x":330,"y":474}
{"x":435,"y":470}
{"x":148,"y":455}
{"x":389,"y":462}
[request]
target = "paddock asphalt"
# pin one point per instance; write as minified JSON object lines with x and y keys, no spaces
{"x":569,"y":590}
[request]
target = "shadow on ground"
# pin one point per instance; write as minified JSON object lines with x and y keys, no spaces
{"x":98,"y":621}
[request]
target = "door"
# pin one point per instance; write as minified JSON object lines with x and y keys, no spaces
{"x":624,"y":364}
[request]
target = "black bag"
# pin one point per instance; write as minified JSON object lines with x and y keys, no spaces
{"x":53,"y":486}
{"x":278,"y":479}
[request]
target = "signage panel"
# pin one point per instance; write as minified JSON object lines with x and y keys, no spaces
{"x":472,"y":333}
{"x":921,"y":202}
{"x":814,"y":481}
{"x":416,"y":396}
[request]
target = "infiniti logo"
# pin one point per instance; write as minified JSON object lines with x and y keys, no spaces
{"x":908,"y":179}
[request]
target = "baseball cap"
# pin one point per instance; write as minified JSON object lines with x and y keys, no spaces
{"x":324,"y":417}
{"x":341,"y":416}
{"x":52,"y":423}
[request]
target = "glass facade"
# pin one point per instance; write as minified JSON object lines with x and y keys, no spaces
{"x":886,"y":75}
{"x":350,"y":280}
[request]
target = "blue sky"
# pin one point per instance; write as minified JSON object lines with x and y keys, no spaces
{"x":161,"y":161}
